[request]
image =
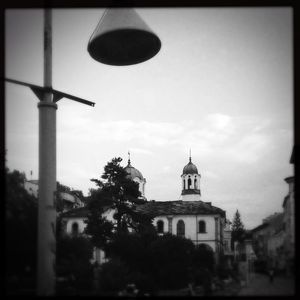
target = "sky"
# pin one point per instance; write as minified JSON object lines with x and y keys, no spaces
{"x":221,"y":85}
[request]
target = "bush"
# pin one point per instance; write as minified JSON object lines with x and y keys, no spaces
{"x":73,"y":264}
{"x":20,"y":234}
{"x":171,"y":260}
{"x":114,"y":276}
{"x":203,"y":257}
{"x":260,"y":266}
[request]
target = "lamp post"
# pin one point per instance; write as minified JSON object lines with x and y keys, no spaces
{"x":121,"y":38}
{"x":46,"y":248}
{"x":47,"y":174}
{"x":46,"y":259}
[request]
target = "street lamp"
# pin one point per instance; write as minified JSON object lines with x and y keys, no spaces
{"x":121,"y":38}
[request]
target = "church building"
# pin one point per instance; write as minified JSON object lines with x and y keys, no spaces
{"x":189,"y":217}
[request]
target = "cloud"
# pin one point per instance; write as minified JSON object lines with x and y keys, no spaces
{"x":166,"y":169}
{"x":140,"y":151}
{"x":219,"y":121}
{"x":233,"y":138}
{"x":250,"y":148}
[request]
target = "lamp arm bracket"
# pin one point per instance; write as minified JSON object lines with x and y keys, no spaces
{"x":39,"y":91}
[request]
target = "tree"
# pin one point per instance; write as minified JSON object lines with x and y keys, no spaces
{"x":171,"y":261}
{"x":122,"y":194}
{"x":148,"y":260}
{"x":133,"y":249}
{"x":203,"y":257}
{"x":20,"y":231}
{"x":238,"y":230}
{"x":73,"y":256}
{"x":98,"y":227}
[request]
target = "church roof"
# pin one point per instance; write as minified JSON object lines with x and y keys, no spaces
{"x":190,"y":168}
{"x":133,"y":172}
{"x":179,"y":207}
{"x":159,"y":208}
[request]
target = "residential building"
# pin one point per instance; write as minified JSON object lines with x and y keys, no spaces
{"x":289,"y":221}
{"x":68,"y":200}
{"x":268,"y":241}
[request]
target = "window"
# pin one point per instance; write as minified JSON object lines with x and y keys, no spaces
{"x":75,"y":229}
{"x":202,"y":227}
{"x":195,"y":183}
{"x":160,"y":226}
{"x":180,"y":228}
{"x":189,"y":183}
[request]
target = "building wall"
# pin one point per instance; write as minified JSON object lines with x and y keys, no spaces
{"x":109,"y":215}
{"x":227,"y":240}
{"x":31,"y":188}
{"x":71,"y":221}
{"x":98,"y":256}
{"x":213,"y":227}
{"x":68,"y":197}
{"x":275,"y":242}
{"x":191,"y":197}
{"x":290,"y":212}
{"x":71,"y":201}
{"x":289,"y":221}
{"x":191,"y":228}
{"x":193,"y":177}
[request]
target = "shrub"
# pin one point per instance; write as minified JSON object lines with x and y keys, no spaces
{"x":73,"y":263}
{"x":171,"y":260}
{"x":114,"y":276}
{"x":203,"y":257}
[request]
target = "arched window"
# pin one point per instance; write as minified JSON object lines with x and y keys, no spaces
{"x":189,"y":183}
{"x":202,"y":227}
{"x":160,"y":226}
{"x":75,"y":229}
{"x":195,"y":183}
{"x":180,"y":228}
{"x":184,"y":184}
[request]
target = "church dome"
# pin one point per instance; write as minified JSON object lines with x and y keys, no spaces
{"x":133,"y":172}
{"x":190,"y":168}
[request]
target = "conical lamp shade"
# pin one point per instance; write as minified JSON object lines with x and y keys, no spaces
{"x":122,"y":38}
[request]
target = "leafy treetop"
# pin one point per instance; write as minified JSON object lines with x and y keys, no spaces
{"x":118,"y":192}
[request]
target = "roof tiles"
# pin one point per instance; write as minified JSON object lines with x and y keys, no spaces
{"x":159,"y":208}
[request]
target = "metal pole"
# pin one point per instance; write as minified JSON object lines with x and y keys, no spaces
{"x":47,"y":174}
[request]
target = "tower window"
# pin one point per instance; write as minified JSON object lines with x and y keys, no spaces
{"x":202,"y":227}
{"x":160,"y":226}
{"x":75,"y":229}
{"x":180,"y":228}
{"x":195,"y":184}
{"x":189,"y":183}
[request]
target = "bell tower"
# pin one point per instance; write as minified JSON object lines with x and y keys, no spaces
{"x":190,"y":182}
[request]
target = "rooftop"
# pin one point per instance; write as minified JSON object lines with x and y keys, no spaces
{"x":179,"y":207}
{"x":159,"y":208}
